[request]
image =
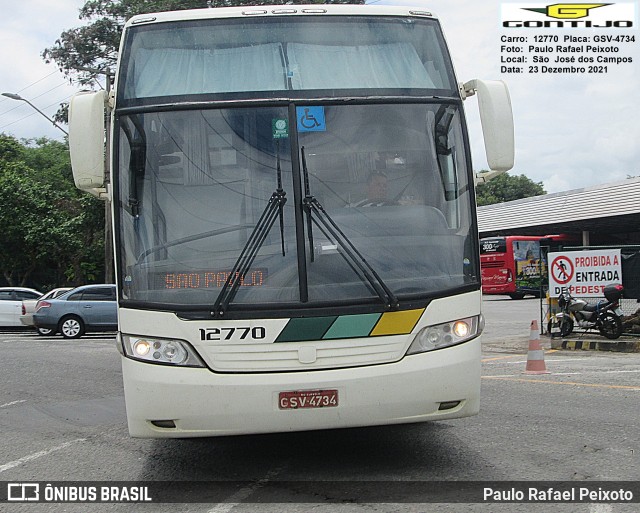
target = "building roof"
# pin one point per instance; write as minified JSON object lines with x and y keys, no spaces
{"x":608,"y":208}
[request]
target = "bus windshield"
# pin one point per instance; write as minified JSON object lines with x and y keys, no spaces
{"x":272,"y":57}
{"x":295,"y":205}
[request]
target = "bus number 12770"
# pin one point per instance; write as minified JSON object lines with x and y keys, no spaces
{"x":257,"y":333}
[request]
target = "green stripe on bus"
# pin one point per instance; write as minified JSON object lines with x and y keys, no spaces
{"x":311,"y":328}
{"x":349,"y":326}
{"x":352,"y":326}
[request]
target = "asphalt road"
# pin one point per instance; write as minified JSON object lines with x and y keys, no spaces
{"x":62,"y":418}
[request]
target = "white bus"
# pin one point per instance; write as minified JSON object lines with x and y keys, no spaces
{"x":294,"y":218}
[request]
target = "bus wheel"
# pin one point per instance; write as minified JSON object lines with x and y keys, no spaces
{"x":517,"y":295}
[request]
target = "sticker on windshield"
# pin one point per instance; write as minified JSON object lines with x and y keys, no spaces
{"x":280,"y":128}
{"x":310,"y":119}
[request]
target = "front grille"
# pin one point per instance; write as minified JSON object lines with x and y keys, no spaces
{"x":299,"y":356}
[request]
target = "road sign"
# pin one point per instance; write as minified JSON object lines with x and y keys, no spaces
{"x":584,"y":273}
{"x":562,"y":269}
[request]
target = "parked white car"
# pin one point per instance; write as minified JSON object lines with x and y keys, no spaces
{"x":11,"y":304}
{"x":29,"y":306}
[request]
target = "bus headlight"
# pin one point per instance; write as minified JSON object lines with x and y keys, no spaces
{"x":158,"y":350}
{"x":447,"y":334}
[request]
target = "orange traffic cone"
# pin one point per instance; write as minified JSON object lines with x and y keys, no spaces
{"x":535,"y":357}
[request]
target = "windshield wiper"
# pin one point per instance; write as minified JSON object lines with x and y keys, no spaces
{"x":274,"y":209}
{"x":332,"y":231}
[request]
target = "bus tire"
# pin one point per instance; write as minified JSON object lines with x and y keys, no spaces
{"x":517,"y":295}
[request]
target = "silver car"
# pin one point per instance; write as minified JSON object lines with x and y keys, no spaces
{"x":81,"y":310}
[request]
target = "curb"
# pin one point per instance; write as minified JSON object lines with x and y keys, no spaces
{"x":618,"y":346}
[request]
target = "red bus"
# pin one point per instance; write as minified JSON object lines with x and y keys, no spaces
{"x":514,"y":265}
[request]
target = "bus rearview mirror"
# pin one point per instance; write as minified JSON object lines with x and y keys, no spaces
{"x":87,"y":141}
{"x":496,"y":117}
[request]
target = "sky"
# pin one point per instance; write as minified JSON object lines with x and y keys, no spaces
{"x":571,"y":130}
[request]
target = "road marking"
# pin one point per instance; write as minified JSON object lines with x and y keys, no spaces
{"x":12,"y":403}
{"x":501,"y":358}
{"x":40,"y":454}
{"x":235,"y":499}
{"x":243,"y":493}
{"x":600,"y":508}
{"x":572,"y":383}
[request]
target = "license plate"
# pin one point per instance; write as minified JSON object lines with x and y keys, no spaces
{"x":307,"y":399}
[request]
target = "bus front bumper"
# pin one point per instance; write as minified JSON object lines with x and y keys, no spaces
{"x":174,"y":402}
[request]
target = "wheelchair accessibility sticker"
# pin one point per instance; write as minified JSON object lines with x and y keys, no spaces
{"x":311,"y":119}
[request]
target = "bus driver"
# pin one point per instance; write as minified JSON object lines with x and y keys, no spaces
{"x":377,"y":191}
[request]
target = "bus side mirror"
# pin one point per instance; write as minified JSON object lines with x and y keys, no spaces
{"x":87,"y":141}
{"x":496,"y":118}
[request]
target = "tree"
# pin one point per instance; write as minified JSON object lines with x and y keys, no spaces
{"x":10,"y":150}
{"x":84,"y":53}
{"x":51,"y":158}
{"x":507,"y":188}
{"x":52,"y":234}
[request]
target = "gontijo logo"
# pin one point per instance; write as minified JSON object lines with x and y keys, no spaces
{"x":566,"y":11}
{"x":569,"y":15}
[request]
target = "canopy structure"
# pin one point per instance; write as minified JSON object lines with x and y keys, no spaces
{"x":603,"y":214}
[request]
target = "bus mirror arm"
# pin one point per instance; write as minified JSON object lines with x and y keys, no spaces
{"x":482,"y":178}
{"x":496,"y":117}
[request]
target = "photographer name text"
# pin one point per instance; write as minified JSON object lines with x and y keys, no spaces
{"x":573,"y":494}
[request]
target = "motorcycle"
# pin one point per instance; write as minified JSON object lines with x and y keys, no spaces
{"x":605,"y":316}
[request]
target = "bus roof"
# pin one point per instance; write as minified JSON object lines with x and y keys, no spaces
{"x":279,"y":10}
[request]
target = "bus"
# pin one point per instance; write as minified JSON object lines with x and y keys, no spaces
{"x":515,"y":265}
{"x":257,"y":291}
